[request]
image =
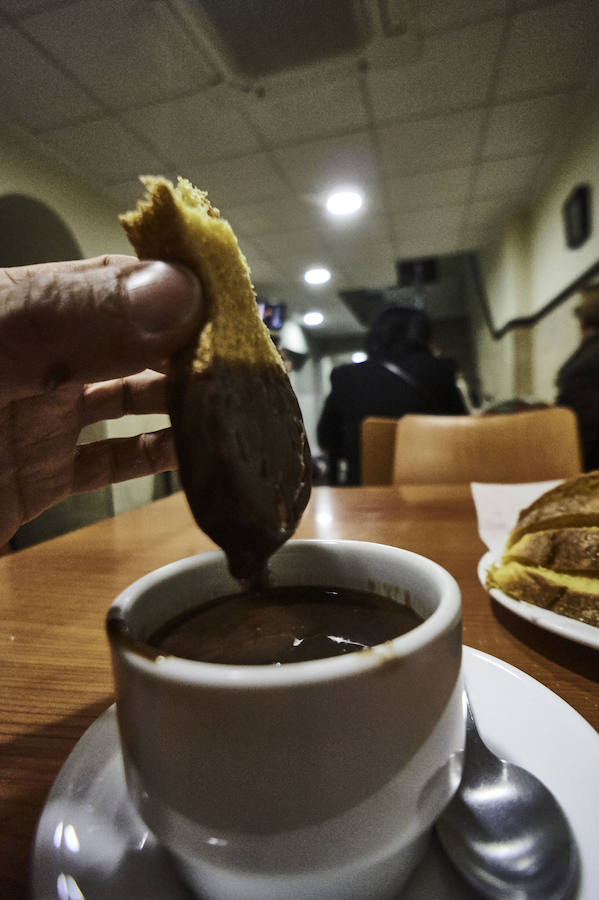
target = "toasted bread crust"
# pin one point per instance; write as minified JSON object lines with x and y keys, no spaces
{"x":574,"y":596}
{"x":573,"y":503}
{"x":574,"y":550}
{"x":179,"y":224}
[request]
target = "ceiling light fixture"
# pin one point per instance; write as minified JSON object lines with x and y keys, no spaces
{"x":359,"y":356}
{"x":317,"y":276}
{"x":313,"y":318}
{"x":343,"y":203}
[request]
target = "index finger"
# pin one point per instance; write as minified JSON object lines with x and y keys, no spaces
{"x":17,"y":274}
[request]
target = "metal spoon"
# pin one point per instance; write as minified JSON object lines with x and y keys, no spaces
{"x":505,"y":831}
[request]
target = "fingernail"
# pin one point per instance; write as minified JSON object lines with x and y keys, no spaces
{"x":163,"y":296}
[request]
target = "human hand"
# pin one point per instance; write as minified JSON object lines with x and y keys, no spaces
{"x":81,"y":342}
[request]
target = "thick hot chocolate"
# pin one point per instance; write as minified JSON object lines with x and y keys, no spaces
{"x":284,"y":625}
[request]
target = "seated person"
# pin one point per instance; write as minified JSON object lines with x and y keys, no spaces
{"x":401,"y":375}
{"x":578,"y":378}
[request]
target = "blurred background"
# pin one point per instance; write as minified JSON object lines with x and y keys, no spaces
{"x":462,"y":135}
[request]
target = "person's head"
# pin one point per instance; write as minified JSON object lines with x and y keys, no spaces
{"x":587,"y":310}
{"x":396,"y":329}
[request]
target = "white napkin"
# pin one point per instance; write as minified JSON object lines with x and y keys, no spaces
{"x":498,"y":505}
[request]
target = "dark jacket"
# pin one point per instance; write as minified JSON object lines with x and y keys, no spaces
{"x":578,"y":388}
{"x":366,"y":389}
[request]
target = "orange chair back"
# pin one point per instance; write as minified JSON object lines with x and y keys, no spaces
{"x":377,"y":450}
{"x":535,"y":445}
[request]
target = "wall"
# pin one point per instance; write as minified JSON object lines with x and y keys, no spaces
{"x":529,"y":266}
{"x":91,"y":217}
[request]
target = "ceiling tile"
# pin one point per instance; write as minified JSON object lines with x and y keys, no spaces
{"x":437,"y":14}
{"x":103,"y":150}
{"x":414,"y":245}
{"x":33,"y":91}
{"x":454,"y":71}
{"x":445,"y":187}
{"x":366,"y":262}
{"x":507,"y":176}
{"x":326,"y":301}
{"x":372,"y":267}
{"x":527,"y":4}
{"x":345,"y":239}
{"x":524,"y":127}
{"x":23,"y":7}
{"x":322,"y":165}
{"x":235,"y":181}
{"x":549,"y":48}
{"x":263,"y":272}
{"x":438,"y":143}
{"x":428,"y":232}
{"x":486,"y":213}
{"x":301,"y":110}
{"x":202,"y":127}
{"x":298,"y":296}
{"x":141,"y":99}
{"x":283,"y":212}
{"x":302,"y":247}
{"x":428,"y":220}
{"x":127,"y":52}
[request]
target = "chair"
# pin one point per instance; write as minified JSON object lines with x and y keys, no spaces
{"x":377,"y":449}
{"x":535,"y":445}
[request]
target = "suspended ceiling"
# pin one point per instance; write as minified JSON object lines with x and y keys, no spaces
{"x":448,"y":114}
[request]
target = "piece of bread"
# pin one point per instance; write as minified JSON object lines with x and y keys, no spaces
{"x":575,"y":596}
{"x":574,"y":502}
{"x":573,"y":550}
{"x":551,"y":557}
{"x":243,"y":454}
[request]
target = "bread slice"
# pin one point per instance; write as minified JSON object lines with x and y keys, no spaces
{"x":243,"y":454}
{"x":573,"y":550}
{"x":551,"y":557}
{"x":574,"y":502}
{"x":575,"y":596}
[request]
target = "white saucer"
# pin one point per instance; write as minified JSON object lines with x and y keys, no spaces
{"x":544,"y":618}
{"x":91,"y":845}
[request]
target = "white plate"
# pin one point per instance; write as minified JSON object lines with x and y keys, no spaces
{"x":544,"y":618}
{"x":91,"y":845}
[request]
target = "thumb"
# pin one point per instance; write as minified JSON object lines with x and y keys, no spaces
{"x":92,"y":321}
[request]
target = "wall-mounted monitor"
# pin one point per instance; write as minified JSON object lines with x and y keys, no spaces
{"x":272,"y":314}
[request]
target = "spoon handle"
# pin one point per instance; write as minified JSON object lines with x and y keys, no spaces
{"x":477,"y":754}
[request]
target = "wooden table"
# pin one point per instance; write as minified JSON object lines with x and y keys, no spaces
{"x":55,"y":669}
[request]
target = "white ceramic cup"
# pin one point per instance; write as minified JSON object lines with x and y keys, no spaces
{"x":316,"y":780}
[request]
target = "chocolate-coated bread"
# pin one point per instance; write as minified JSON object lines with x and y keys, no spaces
{"x":244,"y":459}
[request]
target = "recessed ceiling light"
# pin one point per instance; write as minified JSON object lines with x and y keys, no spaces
{"x":313,"y":318}
{"x":343,"y":203}
{"x":317,"y":276}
